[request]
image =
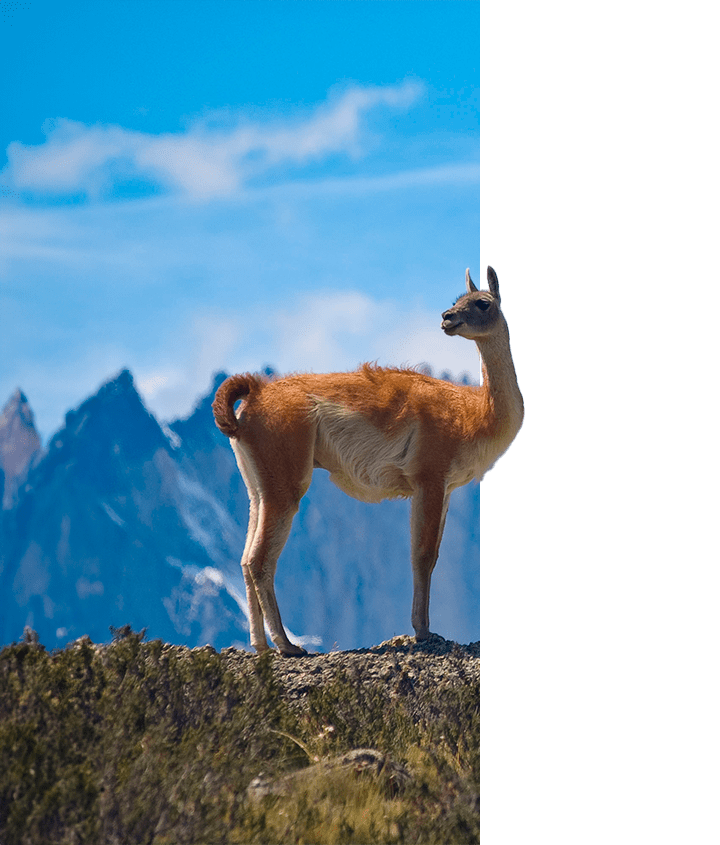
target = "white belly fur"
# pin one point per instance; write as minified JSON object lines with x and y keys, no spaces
{"x":370,"y":465}
{"x":362,"y":461}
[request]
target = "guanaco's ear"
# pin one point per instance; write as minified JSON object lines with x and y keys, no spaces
{"x":493,"y":283}
{"x":469,"y":284}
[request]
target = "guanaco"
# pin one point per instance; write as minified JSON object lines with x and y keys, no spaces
{"x":381,"y":433}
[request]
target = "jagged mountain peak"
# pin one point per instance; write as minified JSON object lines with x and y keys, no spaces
{"x":117,"y":389}
{"x":116,"y":402}
{"x":19,"y":444}
{"x":17,"y":410}
{"x":122,"y":383}
{"x":111,"y":425}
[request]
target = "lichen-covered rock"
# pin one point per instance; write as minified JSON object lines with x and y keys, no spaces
{"x":362,"y":761}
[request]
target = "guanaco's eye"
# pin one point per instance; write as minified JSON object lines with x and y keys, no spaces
{"x":482,"y":304}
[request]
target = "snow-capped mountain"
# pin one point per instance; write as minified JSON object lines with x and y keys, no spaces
{"x":124,"y":520}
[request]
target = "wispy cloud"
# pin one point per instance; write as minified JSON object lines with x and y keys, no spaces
{"x":212,"y":158}
{"x":256,"y":249}
{"x":328,"y":330}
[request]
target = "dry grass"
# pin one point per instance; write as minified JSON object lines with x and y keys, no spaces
{"x":138,"y":742}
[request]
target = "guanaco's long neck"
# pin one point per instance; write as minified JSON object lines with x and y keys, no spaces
{"x":505,"y":402}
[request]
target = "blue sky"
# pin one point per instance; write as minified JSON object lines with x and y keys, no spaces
{"x":190,"y":186}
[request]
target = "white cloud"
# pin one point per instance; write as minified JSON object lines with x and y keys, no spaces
{"x":336,"y":125}
{"x":205,"y":161}
{"x":322,"y":329}
{"x":74,"y":157}
{"x":337,"y":330}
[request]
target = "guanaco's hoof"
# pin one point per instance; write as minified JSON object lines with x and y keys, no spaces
{"x":296,"y":652}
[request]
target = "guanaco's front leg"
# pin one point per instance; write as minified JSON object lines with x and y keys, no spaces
{"x":427,"y":520}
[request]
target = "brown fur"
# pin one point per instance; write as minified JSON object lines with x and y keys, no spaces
{"x":229,"y":392}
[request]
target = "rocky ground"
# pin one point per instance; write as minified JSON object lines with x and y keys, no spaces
{"x":414,"y":671}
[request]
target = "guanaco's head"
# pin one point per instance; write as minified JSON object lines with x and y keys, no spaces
{"x":475,"y":314}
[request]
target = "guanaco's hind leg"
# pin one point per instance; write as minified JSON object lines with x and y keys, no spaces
{"x":427,"y":520}
{"x":257,"y":629}
{"x":274,"y":501}
{"x":272,"y":508}
{"x":273,"y":529}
